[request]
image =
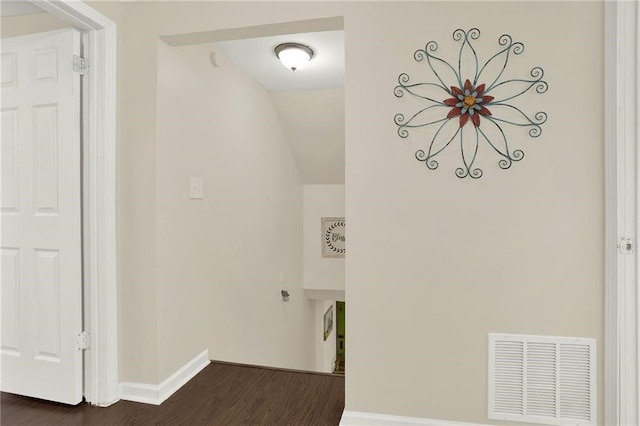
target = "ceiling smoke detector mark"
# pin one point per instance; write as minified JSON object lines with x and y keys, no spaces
{"x":213,"y":59}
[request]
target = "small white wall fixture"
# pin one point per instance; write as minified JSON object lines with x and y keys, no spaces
{"x":99,"y":148}
{"x":622,"y":73}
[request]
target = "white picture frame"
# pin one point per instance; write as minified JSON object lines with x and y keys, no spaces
{"x":332,"y":237}
{"x":328,"y":323}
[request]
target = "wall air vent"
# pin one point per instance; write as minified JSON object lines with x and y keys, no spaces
{"x":542,"y":379}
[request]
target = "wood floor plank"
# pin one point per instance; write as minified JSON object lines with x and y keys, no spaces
{"x":220,"y":395}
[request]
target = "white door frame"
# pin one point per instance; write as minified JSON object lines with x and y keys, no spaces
{"x":622,"y":327}
{"x":99,"y":204}
{"x":621,"y":90}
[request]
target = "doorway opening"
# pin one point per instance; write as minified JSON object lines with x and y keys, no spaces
{"x":100,"y":316}
{"x":340,"y":338}
{"x":265,"y":158}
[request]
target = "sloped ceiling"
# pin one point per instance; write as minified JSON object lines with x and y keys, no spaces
{"x":309,"y":101}
{"x":313,"y":122}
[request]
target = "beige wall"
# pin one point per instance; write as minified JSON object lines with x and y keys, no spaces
{"x":220,"y":260}
{"x":518,"y":251}
{"x":12,"y":26}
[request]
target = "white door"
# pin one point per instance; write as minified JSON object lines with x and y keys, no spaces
{"x":40,"y":234}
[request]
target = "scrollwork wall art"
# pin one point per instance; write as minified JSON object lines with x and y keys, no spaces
{"x":472,"y":103}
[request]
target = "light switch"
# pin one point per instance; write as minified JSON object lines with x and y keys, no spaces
{"x":196,"y":188}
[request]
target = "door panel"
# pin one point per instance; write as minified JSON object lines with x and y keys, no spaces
{"x":10,"y":301}
{"x":41,"y":217}
{"x":9,"y":161}
{"x":45,"y":143}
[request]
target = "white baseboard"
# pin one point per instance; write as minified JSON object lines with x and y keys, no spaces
{"x":157,"y":394}
{"x":356,"y":418}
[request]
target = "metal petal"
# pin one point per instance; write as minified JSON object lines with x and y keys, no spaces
{"x":484,"y":111}
{"x":453,"y":112}
{"x":476,"y":120}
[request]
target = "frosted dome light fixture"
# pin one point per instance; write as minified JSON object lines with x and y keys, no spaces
{"x":294,"y":55}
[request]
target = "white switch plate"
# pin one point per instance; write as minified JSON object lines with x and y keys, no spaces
{"x":196,"y":188}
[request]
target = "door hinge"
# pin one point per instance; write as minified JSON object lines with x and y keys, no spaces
{"x":80,"y":65}
{"x":83,"y":341}
{"x":626,"y":245}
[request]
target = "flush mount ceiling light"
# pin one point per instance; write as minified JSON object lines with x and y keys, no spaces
{"x":294,"y":55}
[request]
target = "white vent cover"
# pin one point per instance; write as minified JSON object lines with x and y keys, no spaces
{"x":541,"y":379}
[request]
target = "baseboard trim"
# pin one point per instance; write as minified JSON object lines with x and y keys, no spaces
{"x":157,"y":394}
{"x":265,"y":367}
{"x":357,"y":418}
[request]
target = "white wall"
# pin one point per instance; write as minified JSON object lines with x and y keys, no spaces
{"x":325,"y":349}
{"x":219,"y":260}
{"x":321,"y":273}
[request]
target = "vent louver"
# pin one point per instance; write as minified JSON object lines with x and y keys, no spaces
{"x":540,"y":379}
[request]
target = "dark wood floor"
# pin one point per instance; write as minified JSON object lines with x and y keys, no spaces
{"x":222,"y":394}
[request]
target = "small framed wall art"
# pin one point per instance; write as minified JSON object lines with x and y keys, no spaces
{"x":328,"y":322}
{"x":333,"y":237}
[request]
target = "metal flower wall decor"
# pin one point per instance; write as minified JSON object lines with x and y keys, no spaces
{"x":471,"y":102}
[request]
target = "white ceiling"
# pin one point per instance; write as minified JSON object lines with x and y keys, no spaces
{"x":256,"y":57}
{"x":309,"y":101}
